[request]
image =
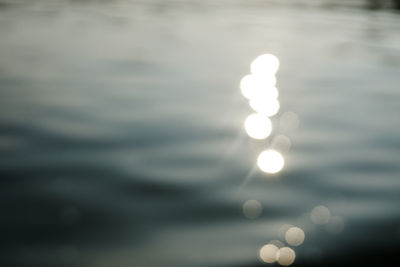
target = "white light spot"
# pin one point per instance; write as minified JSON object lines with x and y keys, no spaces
{"x":252,"y":209}
{"x":253,"y":86}
{"x":268,"y":253}
{"x":286,"y":256}
{"x":266,"y":64}
{"x":270,"y":161}
{"x":265,"y":106}
{"x":295,"y":236}
{"x":258,"y":126}
{"x":320,"y":215}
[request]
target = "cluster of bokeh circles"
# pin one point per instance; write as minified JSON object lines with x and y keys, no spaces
{"x":293,"y":236}
{"x":259,"y":88}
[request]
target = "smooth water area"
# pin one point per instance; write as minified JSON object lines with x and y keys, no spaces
{"x":122,"y":139}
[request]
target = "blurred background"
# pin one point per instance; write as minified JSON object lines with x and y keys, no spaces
{"x":122,"y":139}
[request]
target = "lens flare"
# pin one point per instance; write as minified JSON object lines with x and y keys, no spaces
{"x":258,"y":126}
{"x":270,"y":161}
{"x":266,"y":64}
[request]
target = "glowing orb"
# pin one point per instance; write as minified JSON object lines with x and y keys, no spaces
{"x":268,"y":253}
{"x":320,"y":215}
{"x":252,"y":209}
{"x":258,"y":126}
{"x":295,"y":236}
{"x":266,"y":64}
{"x":286,"y":256}
{"x":267,"y":107}
{"x":253,"y":86}
{"x":270,"y":161}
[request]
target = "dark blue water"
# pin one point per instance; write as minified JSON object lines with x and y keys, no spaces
{"x":122,"y":140}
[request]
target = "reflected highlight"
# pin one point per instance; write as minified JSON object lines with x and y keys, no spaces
{"x":265,"y":106}
{"x":286,"y":256}
{"x":294,"y":236}
{"x":266,"y":64}
{"x":268,"y":253}
{"x":252,"y":86}
{"x":252,"y":209}
{"x":320,"y":215}
{"x":270,"y":161}
{"x":258,"y":126}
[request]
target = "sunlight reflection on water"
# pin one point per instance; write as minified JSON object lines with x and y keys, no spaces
{"x":270,"y":161}
{"x":259,"y":88}
{"x":258,"y":126}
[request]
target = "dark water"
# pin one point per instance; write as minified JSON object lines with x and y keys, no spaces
{"x":122,"y":140}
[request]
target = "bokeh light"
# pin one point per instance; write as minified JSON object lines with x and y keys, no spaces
{"x":252,"y":209}
{"x":286,"y":256}
{"x":258,"y":126}
{"x":265,"y":106}
{"x":252,"y":86}
{"x":294,"y":236}
{"x":270,"y":161}
{"x":266,"y":64}
{"x":268,"y":253}
{"x":320,"y":215}
{"x":283,"y":229}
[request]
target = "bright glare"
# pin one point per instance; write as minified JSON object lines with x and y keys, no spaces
{"x":270,"y":161}
{"x":295,"y":236}
{"x":258,"y":126}
{"x":252,"y":209}
{"x":286,"y":256}
{"x":320,"y":215}
{"x":266,"y":107}
{"x":268,"y":253}
{"x":266,"y":64}
{"x":253,"y":86}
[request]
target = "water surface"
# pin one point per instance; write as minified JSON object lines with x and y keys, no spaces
{"x":122,"y":140}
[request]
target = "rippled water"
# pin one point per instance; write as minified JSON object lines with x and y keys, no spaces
{"x":122,"y":139}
